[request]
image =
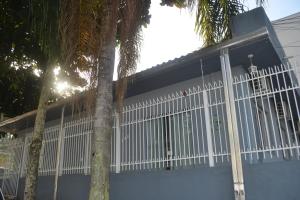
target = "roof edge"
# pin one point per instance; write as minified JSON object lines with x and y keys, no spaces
{"x":188,"y":57}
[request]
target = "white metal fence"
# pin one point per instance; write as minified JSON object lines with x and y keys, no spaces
{"x":269,"y":128}
{"x":188,"y":128}
{"x":11,"y":152}
{"x":48,"y":151}
{"x":174,"y":131}
{"x":75,"y":150}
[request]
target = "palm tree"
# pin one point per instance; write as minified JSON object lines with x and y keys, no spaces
{"x":83,"y":35}
{"x":44,"y":29}
{"x":89,"y":31}
{"x":212,"y":24}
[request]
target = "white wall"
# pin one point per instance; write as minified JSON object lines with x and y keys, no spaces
{"x":288,"y":33}
{"x":182,"y":86}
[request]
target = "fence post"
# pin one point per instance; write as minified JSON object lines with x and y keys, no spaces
{"x":208,"y":130}
{"x":87,"y":147}
{"x":62,"y":150}
{"x":41,"y":158}
{"x":59,"y":144}
{"x":24,"y":157}
{"x":118,"y":143}
{"x":20,"y":163}
{"x":236,"y":161}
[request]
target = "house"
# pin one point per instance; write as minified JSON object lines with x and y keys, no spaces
{"x":287,"y":30}
{"x":219,"y":123}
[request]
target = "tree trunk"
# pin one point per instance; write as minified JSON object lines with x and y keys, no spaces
{"x":99,"y":186}
{"x":37,"y":138}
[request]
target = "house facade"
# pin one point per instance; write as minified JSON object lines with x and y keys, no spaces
{"x":219,"y":123}
{"x":287,"y":30}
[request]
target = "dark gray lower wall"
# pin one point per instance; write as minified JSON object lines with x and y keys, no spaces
{"x":44,"y":189}
{"x":267,"y":181}
{"x":274,"y":181}
{"x":202,"y":183}
{"x":71,"y":187}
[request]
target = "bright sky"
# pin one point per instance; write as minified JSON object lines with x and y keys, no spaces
{"x":171,"y":30}
{"x":169,"y":35}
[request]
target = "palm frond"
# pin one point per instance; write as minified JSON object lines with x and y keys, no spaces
{"x":44,"y":16}
{"x":133,"y":14}
{"x":79,"y":31}
{"x":80,"y":36}
{"x":212,"y":17}
{"x":261,"y":2}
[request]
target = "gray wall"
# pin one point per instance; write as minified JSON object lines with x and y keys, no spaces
{"x":71,"y":187}
{"x":248,"y":22}
{"x":199,"y":183}
{"x":268,"y":181}
{"x":274,"y":181}
{"x":252,"y":21}
{"x":271,"y":181}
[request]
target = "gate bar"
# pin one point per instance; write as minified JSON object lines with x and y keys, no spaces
{"x":59,"y":144}
{"x":118,"y":143}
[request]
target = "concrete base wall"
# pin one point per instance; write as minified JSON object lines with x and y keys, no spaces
{"x":274,"y":181}
{"x":70,"y":187}
{"x":202,"y":183}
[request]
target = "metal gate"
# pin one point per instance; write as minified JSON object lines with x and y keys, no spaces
{"x":263,"y":116}
{"x":248,"y":118}
{"x":11,"y":152}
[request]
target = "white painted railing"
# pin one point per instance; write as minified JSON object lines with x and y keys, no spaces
{"x":48,"y":151}
{"x":75,"y":151}
{"x":11,"y":152}
{"x":76,"y":146}
{"x":172,"y":131}
{"x":270,"y":128}
{"x":188,"y":128}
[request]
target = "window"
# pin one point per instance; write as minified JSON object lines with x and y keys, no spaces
{"x":180,"y":140}
{"x":260,"y":84}
{"x":170,"y":138}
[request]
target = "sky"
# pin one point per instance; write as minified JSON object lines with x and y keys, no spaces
{"x":171,"y":34}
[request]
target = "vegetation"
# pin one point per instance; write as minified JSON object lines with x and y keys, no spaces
{"x":90,"y":31}
{"x":43,"y":27}
{"x":20,"y":55}
{"x":212,"y":16}
{"x":95,"y":40}
{"x":82,"y":36}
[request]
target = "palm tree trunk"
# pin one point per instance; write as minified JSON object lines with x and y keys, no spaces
{"x":37,"y":138}
{"x":99,"y":186}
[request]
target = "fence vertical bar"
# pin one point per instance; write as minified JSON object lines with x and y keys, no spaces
{"x":118,"y":143}
{"x":86,"y":145}
{"x":20,"y":163}
{"x":24,"y":158}
{"x":58,"y":153}
{"x":62,"y":150}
